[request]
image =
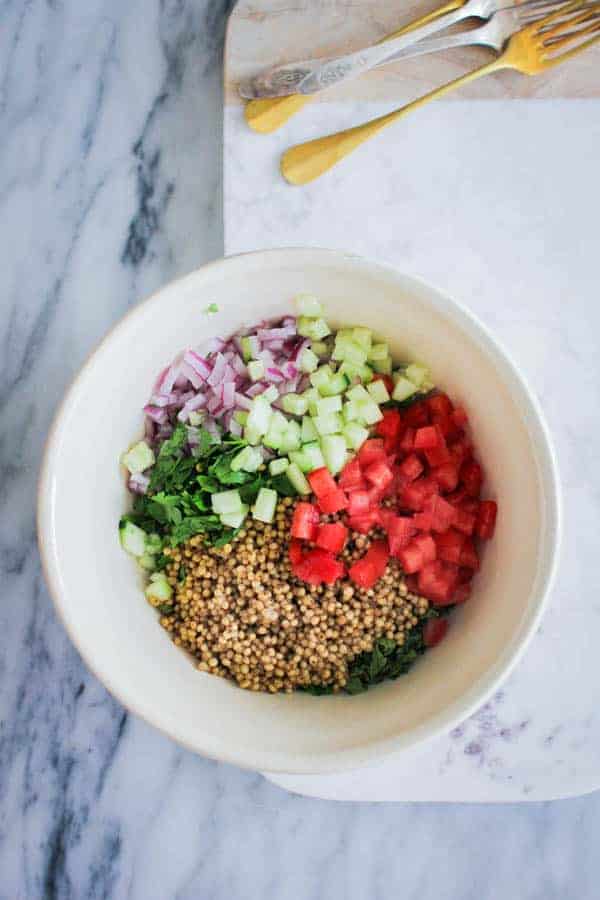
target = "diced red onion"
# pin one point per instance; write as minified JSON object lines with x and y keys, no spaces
{"x":191,"y":375}
{"x":257,"y":388}
{"x":298,"y":350}
{"x":213,"y":429}
{"x":242,"y":402}
{"x":273,"y":375}
{"x":228,"y":398}
{"x":238,"y":365}
{"x":266,"y":357}
{"x":163,"y":399}
{"x":219,"y":365}
{"x":235,"y":428}
{"x":156,"y":413}
{"x":138,"y":483}
{"x":196,"y":401}
{"x":276,"y":334}
{"x":216,"y":345}
{"x":289,"y":370}
{"x":288,"y":321}
{"x":198,"y":363}
{"x":165,"y":431}
{"x":254,"y":345}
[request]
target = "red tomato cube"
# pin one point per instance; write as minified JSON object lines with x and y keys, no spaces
{"x":468,"y":556}
{"x":389,"y":427}
{"x":322,"y":482}
{"x":440,"y":454}
{"x":486,"y":519}
{"x":434,"y":631}
{"x":371,"y":451}
{"x":460,"y":449}
{"x":304,"y":521}
{"x":331,"y":536}
{"x":440,"y":404}
{"x":427,"y":438}
{"x":400,"y":530}
{"x":411,"y":467}
{"x":442,"y":513}
{"x":371,"y":567}
{"x":407,"y":440}
{"x":295,"y":551}
{"x":358,"y":503}
{"x":471,"y":476}
{"x":364,"y":523}
{"x":446,"y":476}
{"x":464,"y":520}
{"x":449,"y":545}
{"x":415,"y":494}
{"x":379,"y":474}
{"x":319,"y":566}
{"x":437,"y":581}
{"x":461,"y":593}
{"x":422,"y":521}
{"x":459,"y":416}
{"x":350,"y":477}
{"x":417,"y":414}
{"x":333,"y":502}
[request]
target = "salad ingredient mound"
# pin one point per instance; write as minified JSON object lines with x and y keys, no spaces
{"x":306,"y":513}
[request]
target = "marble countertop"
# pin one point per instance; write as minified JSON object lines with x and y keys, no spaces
{"x":110,"y":185}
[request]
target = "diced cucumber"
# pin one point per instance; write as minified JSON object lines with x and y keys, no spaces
{"x":264,"y":507}
{"x":350,"y":411}
{"x":308,"y":305}
{"x":299,"y":458}
{"x":252,"y":435}
{"x":369,"y":412}
{"x":259,"y":417}
{"x":256,"y":369}
{"x":350,"y":352}
{"x":295,"y":404}
{"x":225,"y":502}
{"x":234,"y":519}
{"x":383,"y":366}
{"x":333,"y":447}
{"x":248,"y":460}
{"x":328,"y":424}
{"x":403,"y":389}
{"x":315,"y":329}
{"x":378,"y":392}
{"x":355,"y":435}
{"x":358,"y":394}
{"x":379,"y":352}
{"x":138,"y":458}
{"x":321,"y":377}
{"x":291,"y":438}
{"x":147,"y":561}
{"x":308,"y":431}
{"x":240,"y":416}
{"x":246,"y":349}
{"x":278,"y":466}
{"x":159,"y":587}
{"x":312,"y":397}
{"x":321,"y":348}
{"x":363,"y":337}
{"x":297,"y":479}
{"x":329,"y":405}
{"x":308,"y":361}
{"x":417,"y":373}
{"x":337,"y":384}
{"x":133,"y":539}
{"x":271,"y":394}
{"x":313,"y":455}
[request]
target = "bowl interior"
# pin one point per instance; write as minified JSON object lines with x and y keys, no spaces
{"x":97,"y":588}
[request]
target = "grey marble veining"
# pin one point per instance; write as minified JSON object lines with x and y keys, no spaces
{"x":110,"y":185}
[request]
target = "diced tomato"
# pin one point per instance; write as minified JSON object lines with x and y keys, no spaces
{"x":371,"y":451}
{"x":358,"y":503}
{"x":371,"y":567}
{"x":464,"y":520}
{"x":465,"y":576}
{"x":434,"y":631}
{"x":439,"y":455}
{"x":407,"y":440}
{"x":437,"y":581}
{"x":390,"y":425}
{"x":461,"y":592}
{"x":440,"y":404}
{"x":449,"y":546}
{"x":331,"y":536}
{"x":412,"y":583}
{"x":333,"y":502}
{"x":427,"y":438}
{"x":445,"y":425}
{"x":322,"y":482}
{"x":351,"y":475}
{"x":417,"y":414}
{"x":422,"y":521}
{"x":457,"y":496}
{"x":446,"y":476}
{"x":400,"y":529}
{"x":379,"y":474}
{"x":468,"y":556}
{"x":459,"y":416}
{"x":319,"y":566}
{"x":442,"y":513}
{"x":471,"y":476}
{"x":376,"y":496}
{"x":304,"y":521}
{"x":470,"y":505}
{"x":295,"y":551}
{"x":364,"y":523}
{"x":385,"y":516}
{"x":387,"y":380}
{"x":460,"y":450}
{"x":411,"y":467}
{"x":396,"y":484}
{"x":414,"y":495}
{"x":486,"y":519}
{"x":417,"y":553}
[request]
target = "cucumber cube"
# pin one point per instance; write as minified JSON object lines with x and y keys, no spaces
{"x":363,"y":337}
{"x":333,"y":447}
{"x":329,"y":405}
{"x":235,"y":519}
{"x":133,"y":539}
{"x":278,"y":466}
{"x":259,"y":417}
{"x":417,"y":373}
{"x":308,"y":305}
{"x":315,"y":329}
{"x":328,"y":424}
{"x":308,"y":431}
{"x":320,"y":348}
{"x":309,"y":361}
{"x":378,"y":392}
{"x":247,"y":460}
{"x":296,"y":479}
{"x":355,"y":435}
{"x":138,"y":458}
{"x":359,"y":394}
{"x":383,"y":366}
{"x":264,"y":507}
{"x":378,"y":352}
{"x":369,"y":412}
{"x":403,"y":389}
{"x":295,"y":404}
{"x":256,"y":369}
{"x":225,"y":502}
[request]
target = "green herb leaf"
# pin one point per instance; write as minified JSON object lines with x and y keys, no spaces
{"x":165,"y":609}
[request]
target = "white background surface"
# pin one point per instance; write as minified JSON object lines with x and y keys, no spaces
{"x":496,"y":203}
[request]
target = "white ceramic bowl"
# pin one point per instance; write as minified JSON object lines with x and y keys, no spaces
{"x":96,"y":586}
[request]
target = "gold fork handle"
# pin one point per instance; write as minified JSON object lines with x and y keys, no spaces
{"x":305,"y":162}
{"x":266,"y":116}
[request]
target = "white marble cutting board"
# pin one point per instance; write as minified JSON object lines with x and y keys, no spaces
{"x":497,"y":203}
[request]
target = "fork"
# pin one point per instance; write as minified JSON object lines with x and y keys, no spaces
{"x":267,"y":114}
{"x":535,"y":49}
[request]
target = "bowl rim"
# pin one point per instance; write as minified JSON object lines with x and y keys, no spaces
{"x":478,"y":693}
